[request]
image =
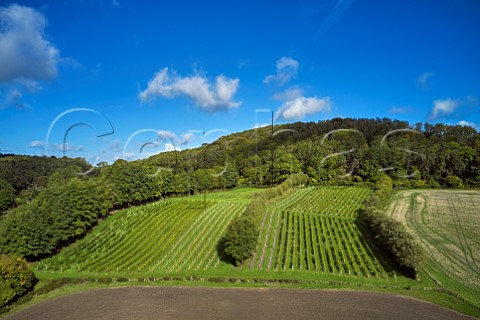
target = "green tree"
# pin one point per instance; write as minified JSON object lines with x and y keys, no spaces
{"x":239,"y":241}
{"x":7,"y":195}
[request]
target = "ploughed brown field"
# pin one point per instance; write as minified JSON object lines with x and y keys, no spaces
{"x":232,"y":303}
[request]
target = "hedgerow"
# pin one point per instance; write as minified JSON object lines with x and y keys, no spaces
{"x":389,"y":234}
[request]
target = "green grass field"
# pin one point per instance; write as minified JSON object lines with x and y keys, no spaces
{"x":447,"y":225}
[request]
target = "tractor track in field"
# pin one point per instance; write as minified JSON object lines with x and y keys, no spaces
{"x":232,"y":303}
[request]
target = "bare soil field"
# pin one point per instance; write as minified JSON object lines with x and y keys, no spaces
{"x":232,"y":303}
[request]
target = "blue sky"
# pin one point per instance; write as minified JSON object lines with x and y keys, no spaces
{"x":100,"y":79}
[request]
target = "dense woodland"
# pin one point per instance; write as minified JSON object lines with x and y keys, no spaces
{"x":48,"y":203}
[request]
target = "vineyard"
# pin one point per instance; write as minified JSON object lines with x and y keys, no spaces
{"x":166,"y":236}
{"x":314,"y":230}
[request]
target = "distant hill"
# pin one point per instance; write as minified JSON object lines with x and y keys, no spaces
{"x":340,"y":149}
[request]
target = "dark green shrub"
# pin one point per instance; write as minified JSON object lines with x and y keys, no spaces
{"x":453,"y":182}
{"x":16,"y":278}
{"x":239,"y":241}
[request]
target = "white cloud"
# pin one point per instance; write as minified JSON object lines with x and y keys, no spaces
{"x":67,"y":147}
{"x":14,"y":98}
{"x":166,"y":135}
{"x":261,"y":125}
{"x":58,"y":146}
{"x":115,"y":3}
{"x":401,"y":110}
{"x":466,"y":124}
{"x":170,"y":147}
{"x":174,"y":139}
{"x":209,"y":97}
{"x":186,"y":138}
{"x":287,"y":68}
{"x":24,"y":50}
{"x":127,"y":156}
{"x":300,"y":107}
{"x":423,"y":79}
{"x":443,"y":108}
{"x":289,"y":94}
{"x":37,"y":144}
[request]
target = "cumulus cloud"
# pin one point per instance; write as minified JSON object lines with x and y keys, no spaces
{"x":423,"y":79}
{"x":466,"y":124}
{"x":26,"y":53}
{"x":170,"y":147}
{"x":207,"y":96}
{"x":37,"y":144}
{"x":300,"y":107}
{"x":443,"y":107}
{"x":287,"y":68}
{"x":174,"y":139}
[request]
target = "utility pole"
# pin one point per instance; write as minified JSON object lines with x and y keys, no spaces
{"x":205,"y":167}
{"x":273,"y":151}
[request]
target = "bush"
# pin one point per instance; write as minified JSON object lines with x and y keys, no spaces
{"x":453,"y":182}
{"x":239,"y":241}
{"x":16,"y":278}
